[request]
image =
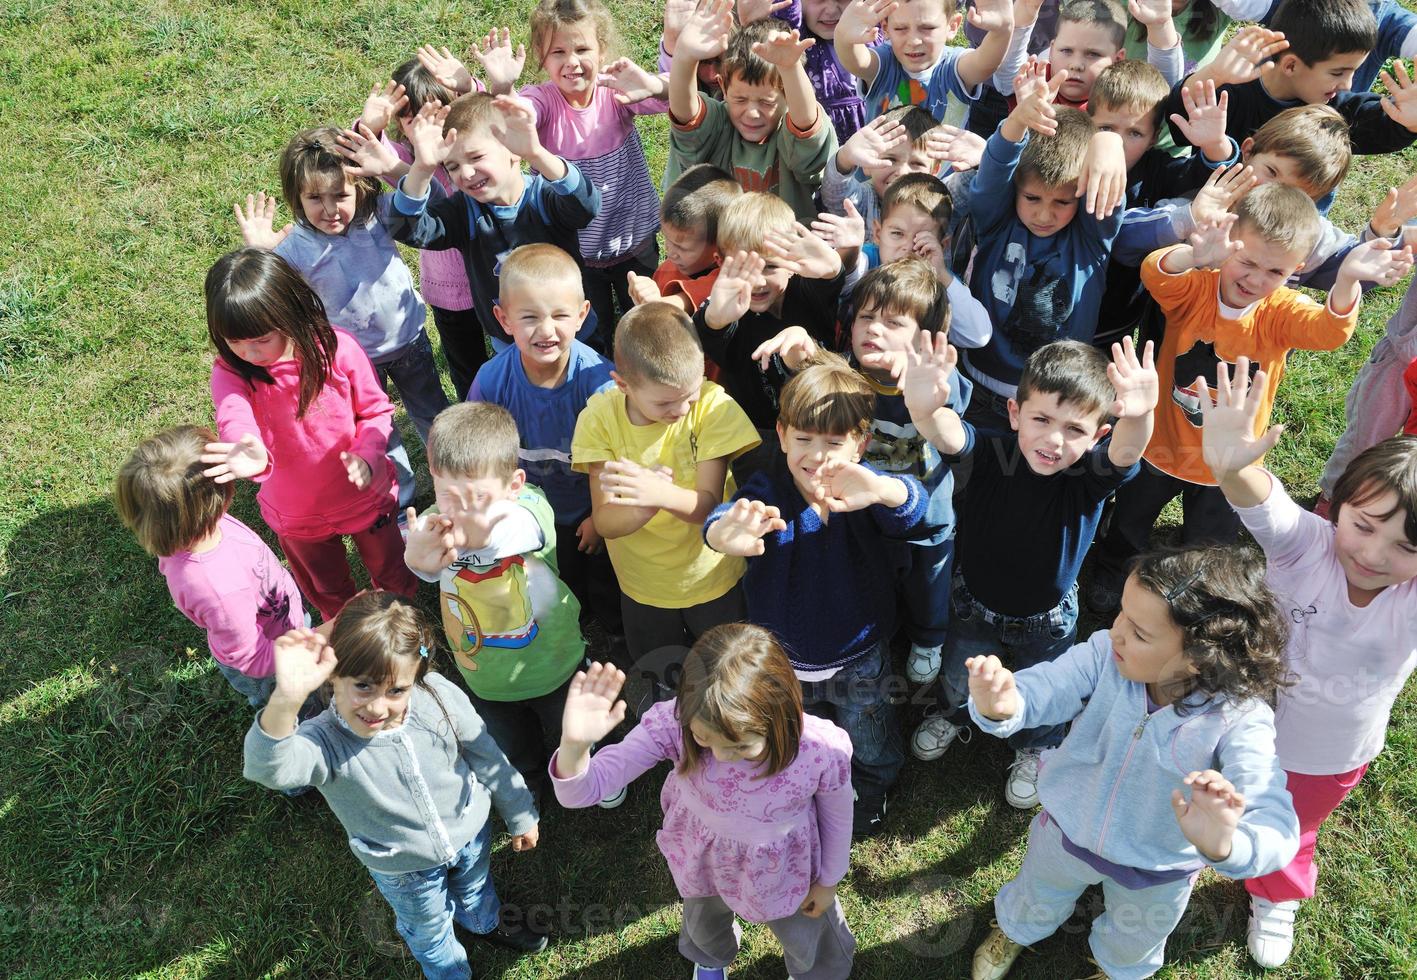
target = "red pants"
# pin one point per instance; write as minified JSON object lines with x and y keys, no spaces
{"x":1315,"y":797}
{"x":322,"y":570}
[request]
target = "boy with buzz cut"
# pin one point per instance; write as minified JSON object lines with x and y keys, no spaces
{"x":657,"y":448}
{"x":544,"y":381}
{"x":818,"y":508}
{"x":1223,"y":297}
{"x":1036,"y":490}
{"x":481,"y":141}
{"x":688,"y":222}
{"x":748,"y":134}
{"x":490,"y":545}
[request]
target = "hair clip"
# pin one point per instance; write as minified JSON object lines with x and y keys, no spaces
{"x":1179,"y":589}
{"x":423,"y":651}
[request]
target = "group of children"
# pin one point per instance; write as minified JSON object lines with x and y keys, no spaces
{"x":884,"y":382}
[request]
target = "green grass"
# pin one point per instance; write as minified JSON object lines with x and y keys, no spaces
{"x":129,"y":844}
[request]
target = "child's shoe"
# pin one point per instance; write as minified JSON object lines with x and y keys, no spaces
{"x":614,"y":799}
{"x":1103,"y":598}
{"x":710,"y":972}
{"x":513,"y":935}
{"x":923,"y":664}
{"x":1021,"y":789}
{"x":995,"y":956}
{"x":935,"y":734}
{"x":869,"y":816}
{"x":1271,"y":931}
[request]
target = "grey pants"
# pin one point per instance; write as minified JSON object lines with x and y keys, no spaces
{"x":813,"y":949}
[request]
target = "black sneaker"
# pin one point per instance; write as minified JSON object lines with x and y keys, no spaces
{"x":869,"y":819}
{"x":514,"y":934}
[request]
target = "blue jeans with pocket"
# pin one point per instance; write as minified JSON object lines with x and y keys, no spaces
{"x":857,"y":698}
{"x":1019,"y":641}
{"x":420,"y":386}
{"x":426,"y":903}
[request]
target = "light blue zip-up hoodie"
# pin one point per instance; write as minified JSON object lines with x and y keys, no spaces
{"x":1109,"y":784}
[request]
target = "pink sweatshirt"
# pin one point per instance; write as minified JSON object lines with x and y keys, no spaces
{"x":240,"y":594}
{"x":758,"y":844}
{"x":305,"y":491}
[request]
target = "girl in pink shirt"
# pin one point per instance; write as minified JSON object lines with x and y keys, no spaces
{"x":757,"y":809}
{"x":301,"y":412}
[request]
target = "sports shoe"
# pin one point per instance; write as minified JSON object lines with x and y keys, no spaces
{"x":1103,"y":599}
{"x":710,"y":972}
{"x":1021,"y":788}
{"x":923,"y":664}
{"x":614,"y":799}
{"x":934,"y":736}
{"x":513,"y":935}
{"x":868,"y":817}
{"x":995,"y":956}
{"x":1271,"y":931}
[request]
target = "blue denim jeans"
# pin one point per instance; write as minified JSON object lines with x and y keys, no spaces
{"x":415,"y":375}
{"x":256,"y":690}
{"x":925,"y":589}
{"x":857,"y":698}
{"x":425,"y":903}
{"x":1019,"y":641}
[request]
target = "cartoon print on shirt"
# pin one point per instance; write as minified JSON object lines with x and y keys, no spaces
{"x":1198,"y":362}
{"x":494,"y":605}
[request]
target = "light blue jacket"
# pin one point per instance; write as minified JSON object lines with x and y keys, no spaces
{"x":1109,"y":784}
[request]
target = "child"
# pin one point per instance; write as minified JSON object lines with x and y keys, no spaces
{"x":748,"y":134}
{"x":1040,"y":265}
{"x":545,"y":382}
{"x":1175,"y":695}
{"x":1224,"y":298}
{"x":813,"y":529}
{"x":757,"y":807}
{"x":511,"y":623}
{"x":481,"y":140}
{"x":394,"y":724}
{"x":916,"y":65}
{"x":657,"y":449}
{"x":221,"y":575}
{"x":301,"y":412}
{"x":1092,"y":36}
{"x":1350,"y":587}
{"x":836,"y":88}
{"x":689,"y":225}
{"x":592,"y":122}
{"x":1053,"y":467}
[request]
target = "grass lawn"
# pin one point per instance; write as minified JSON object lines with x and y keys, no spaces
{"x":129,"y":843}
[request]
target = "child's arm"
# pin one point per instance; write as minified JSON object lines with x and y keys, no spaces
{"x":431,"y":545}
{"x":373,"y":412}
{"x":257,"y":222}
{"x":977,"y":65}
{"x":1137,"y":391}
{"x":991,"y":194}
{"x":1163,"y":41}
{"x":739,"y":528}
{"x":633,"y":85}
{"x":844,"y":487}
{"x":926,"y":390}
{"x":1025,"y":16}
{"x":786,"y":49}
{"x":856,"y":31}
{"x":508,"y":790}
{"x":1247,"y":56}
{"x":844,"y":232}
{"x":703,"y":37}
{"x":794,"y":346}
{"x":628,"y":484}
{"x":732,"y":292}
{"x":1208,"y":248}
{"x":1204,"y":123}
{"x":304,"y":660}
{"x":1051,"y":693}
{"x":1377,"y":261}
{"x":614,"y":519}
{"x":593,"y":710}
{"x":370,"y":156}
{"x":1228,"y":441}
{"x":516,"y":130}
{"x":802,"y":253}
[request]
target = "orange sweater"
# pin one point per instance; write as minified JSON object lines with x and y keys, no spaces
{"x":1198,"y":337}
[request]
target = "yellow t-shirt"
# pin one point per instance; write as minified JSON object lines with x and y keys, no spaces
{"x":666,"y":563}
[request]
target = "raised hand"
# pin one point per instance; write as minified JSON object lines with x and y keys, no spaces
{"x":432,"y":542}
{"x":753,"y":10}
{"x":1103,"y":178}
{"x":704,"y":35}
{"x":239,"y":460}
{"x":960,"y":148}
{"x":732,"y":292}
{"x":994,"y":15}
{"x":868,"y":146}
{"x":1205,"y":119}
{"x":1210,"y":817}
{"x":257,"y":222}
{"x":304,"y":660}
{"x":860,"y":18}
{"x":1246,"y":57}
{"x":928,"y":246}
{"x":841,"y":232}
{"x":793,"y":344}
{"x":643,"y":289}
{"x":447,"y":70}
{"x":367,"y":154}
{"x":676,"y":15}
{"x":498,"y":61}
{"x":783,"y":48}
{"x":631,"y":83}
{"x":1211,"y":243}
{"x":1134,"y":381}
{"x":741,"y":530}
{"x":845,"y":486}
{"x":1400,"y":103}
{"x":593,"y":708}
{"x":474,"y":516}
{"x":928,"y":368}
{"x":628,"y":484}
{"x":431,"y":145}
{"x":357,"y":470}
{"x":802,"y":253}
{"x":1397,"y":208}
{"x":1222,"y":190}
{"x":1149,"y":12}
{"x":515,"y":127}
{"x":1377,"y":261}
{"x":1228,"y":441}
{"x":1032,"y":81}
{"x":1034,"y":109}
{"x":383,"y":106}
{"x":992,"y":687}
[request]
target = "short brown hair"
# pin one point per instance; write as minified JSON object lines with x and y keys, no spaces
{"x":1281,"y":215}
{"x":312,"y":156}
{"x":746,"y":222}
{"x":827,"y":397}
{"x":697,"y":199}
{"x":473,"y":440}
{"x":471,"y":113}
{"x":1075,"y":372}
{"x":656,"y":342}
{"x":1131,"y":84}
{"x":739,"y":61}
{"x":550,"y":16}
{"x":738,"y":681}
{"x":906,"y":286}
{"x":1315,"y":137}
{"x":1390,"y":466}
{"x":925,"y":192}
{"x":1097,"y":13}
{"x":529,"y":266}
{"x":918,"y":123}
{"x":1057,"y":160}
{"x":162,"y":496}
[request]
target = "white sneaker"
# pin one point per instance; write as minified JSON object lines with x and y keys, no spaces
{"x":995,"y":956}
{"x":1271,"y":931}
{"x":923,"y":665}
{"x":934,"y":736}
{"x":614,"y":799}
{"x":1021,"y":788}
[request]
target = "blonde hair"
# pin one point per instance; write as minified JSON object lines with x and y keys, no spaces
{"x":474,"y":440}
{"x":312,"y":156}
{"x":1315,"y":137}
{"x":471,"y":113}
{"x":697,"y":198}
{"x":924,"y":192}
{"x":1130,"y":84}
{"x":163,"y":498}
{"x":746,"y":222}
{"x":1057,"y":160}
{"x":550,"y":16}
{"x":828,"y":397}
{"x":540,"y":264}
{"x":656,"y":343}
{"x":1281,"y":215}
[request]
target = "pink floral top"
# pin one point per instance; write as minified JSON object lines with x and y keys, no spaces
{"x":758,"y":844}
